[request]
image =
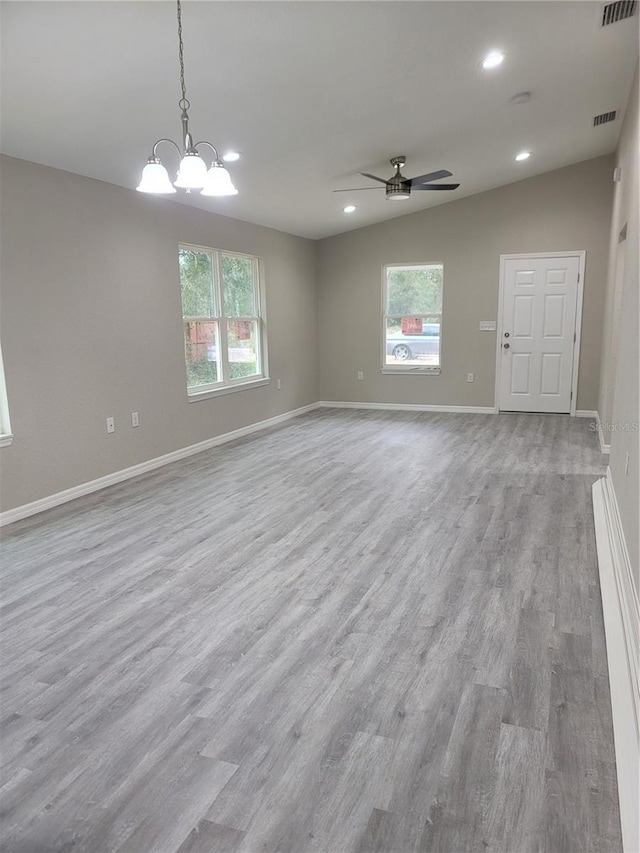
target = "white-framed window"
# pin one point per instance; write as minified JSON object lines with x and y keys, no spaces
{"x":5,"y":424}
{"x":223,"y":320}
{"x":411,"y":317}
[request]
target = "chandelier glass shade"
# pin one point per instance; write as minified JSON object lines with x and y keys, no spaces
{"x":193,"y":173}
{"x":218,"y":181}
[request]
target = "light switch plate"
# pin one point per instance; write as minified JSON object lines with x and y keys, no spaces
{"x":487,"y":325}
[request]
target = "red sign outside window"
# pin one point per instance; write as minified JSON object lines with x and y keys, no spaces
{"x":241,"y":330}
{"x":412,"y":325}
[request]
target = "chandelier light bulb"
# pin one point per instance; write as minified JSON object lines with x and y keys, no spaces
{"x":192,"y":173}
{"x":155,"y":179}
{"x":218,"y":181}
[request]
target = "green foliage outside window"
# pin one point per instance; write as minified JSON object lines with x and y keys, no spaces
{"x":415,"y":290}
{"x":196,"y":283}
{"x":237,"y":286}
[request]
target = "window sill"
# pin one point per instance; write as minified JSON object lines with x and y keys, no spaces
{"x":411,"y":371}
{"x":5,"y":440}
{"x":196,"y":396}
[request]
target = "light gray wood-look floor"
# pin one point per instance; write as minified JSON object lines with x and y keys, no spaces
{"x":357,"y":632}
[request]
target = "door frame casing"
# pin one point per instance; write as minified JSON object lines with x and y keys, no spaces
{"x":581,"y":255}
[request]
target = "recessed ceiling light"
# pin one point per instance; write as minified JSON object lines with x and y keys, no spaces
{"x":523,"y":155}
{"x":230,"y":156}
{"x":493,"y":59}
{"x":349,"y":208}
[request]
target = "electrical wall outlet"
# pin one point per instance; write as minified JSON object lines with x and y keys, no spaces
{"x":135,"y":421}
{"x":111,"y":424}
{"x":470,"y":377}
{"x":279,"y":384}
{"x":360,"y":375}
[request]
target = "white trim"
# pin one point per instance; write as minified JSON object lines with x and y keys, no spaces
{"x":622,"y":629}
{"x":195,"y":396}
{"x":410,"y":371}
{"x":71,"y":494}
{"x":586,"y":413}
{"x":604,"y":448}
{"x":6,"y":440}
{"x":407,"y":407}
{"x":581,"y":255}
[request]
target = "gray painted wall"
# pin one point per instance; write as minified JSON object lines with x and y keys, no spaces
{"x":92,"y":327}
{"x":568,"y":209}
{"x":619,"y":404}
{"x":91,"y":321}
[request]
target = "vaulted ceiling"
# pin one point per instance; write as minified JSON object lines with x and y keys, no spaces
{"x":312,"y":93}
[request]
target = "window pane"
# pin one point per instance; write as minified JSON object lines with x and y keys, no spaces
{"x":202,"y":353}
{"x":196,"y":283}
{"x":413,"y":341}
{"x":242,"y":336}
{"x":238,"y":287}
{"x":414,"y":289}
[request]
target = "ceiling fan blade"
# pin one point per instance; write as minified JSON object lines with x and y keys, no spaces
{"x":435,"y":187}
{"x":373,"y":177}
{"x":355,"y":189}
{"x":432,"y":176}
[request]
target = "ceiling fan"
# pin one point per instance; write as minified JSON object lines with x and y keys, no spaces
{"x":399,"y":187}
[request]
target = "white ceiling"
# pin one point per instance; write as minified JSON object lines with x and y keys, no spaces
{"x":312,"y":93}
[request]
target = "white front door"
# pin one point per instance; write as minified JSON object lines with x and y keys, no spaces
{"x":539,"y":300}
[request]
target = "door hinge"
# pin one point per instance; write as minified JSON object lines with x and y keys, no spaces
{"x":574,"y":337}
{"x":578,"y":276}
{"x":571,"y":396}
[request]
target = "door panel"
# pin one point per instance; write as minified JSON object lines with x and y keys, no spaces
{"x":540,"y":296}
{"x":551,"y":374}
{"x":553,"y":321}
{"x":522,"y":316}
{"x":521,"y":373}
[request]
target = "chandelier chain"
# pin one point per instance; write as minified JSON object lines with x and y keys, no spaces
{"x":183,"y":103}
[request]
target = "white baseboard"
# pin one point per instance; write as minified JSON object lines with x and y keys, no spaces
{"x":408,"y":407}
{"x":51,"y":501}
{"x":604,"y":448}
{"x":622,"y":629}
{"x":586,"y":413}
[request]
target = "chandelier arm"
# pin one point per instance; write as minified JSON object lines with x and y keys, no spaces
{"x":166,"y":140}
{"x":212,"y":147}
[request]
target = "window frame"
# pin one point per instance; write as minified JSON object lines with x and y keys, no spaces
{"x":226,"y":384}
{"x":6,"y":436}
{"x":410,"y":369}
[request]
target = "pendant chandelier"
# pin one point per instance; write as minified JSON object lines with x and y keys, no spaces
{"x":192,"y":173}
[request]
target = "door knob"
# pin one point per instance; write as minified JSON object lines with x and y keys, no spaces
{"x":506,"y":346}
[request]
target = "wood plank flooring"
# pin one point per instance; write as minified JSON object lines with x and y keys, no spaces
{"x":360,"y":631}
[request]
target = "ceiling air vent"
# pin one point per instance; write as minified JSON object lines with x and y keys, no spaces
{"x":618,"y":11}
{"x":603,"y":118}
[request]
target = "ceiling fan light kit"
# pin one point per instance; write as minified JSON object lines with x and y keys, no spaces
{"x":192,"y":172}
{"x":398,"y":187}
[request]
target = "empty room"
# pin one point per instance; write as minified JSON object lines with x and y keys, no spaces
{"x":319,"y":458}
